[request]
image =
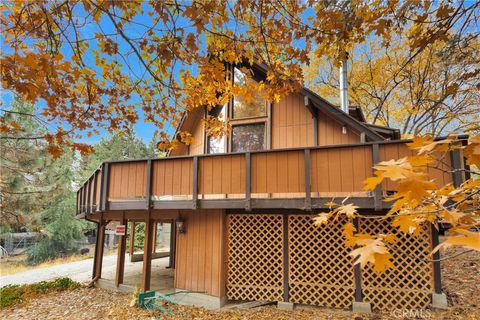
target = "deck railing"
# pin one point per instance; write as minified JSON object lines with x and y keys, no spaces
{"x":302,"y":178}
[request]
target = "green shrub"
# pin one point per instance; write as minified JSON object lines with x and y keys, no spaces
{"x":10,"y":295}
{"x":15,"y":294}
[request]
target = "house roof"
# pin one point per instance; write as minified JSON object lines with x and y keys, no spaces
{"x":354,"y":119}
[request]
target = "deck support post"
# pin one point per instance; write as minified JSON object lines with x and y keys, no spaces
{"x":357,"y":272}
{"x":148,"y":240}
{"x":286,"y":294}
{"x":132,"y":239}
{"x":439,"y":299}
{"x":248,"y":182}
{"x":358,"y":305}
{"x":147,"y":253}
{"x":121,"y":254}
{"x":154,"y":239}
{"x":437,"y":277}
{"x":100,"y":243}
{"x":173,"y":239}
{"x":377,"y":194}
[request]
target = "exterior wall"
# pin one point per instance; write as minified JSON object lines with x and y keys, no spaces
{"x":292,"y":123}
{"x":200,"y":264}
{"x":330,"y":132}
{"x":197,"y":131}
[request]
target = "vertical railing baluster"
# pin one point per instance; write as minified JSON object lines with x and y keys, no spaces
{"x":104,"y":187}
{"x":377,"y":193}
{"x":308,"y":181}
{"x":248,"y":182}
{"x":195,"y":184}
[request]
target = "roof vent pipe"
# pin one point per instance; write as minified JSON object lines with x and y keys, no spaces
{"x":344,"y":85}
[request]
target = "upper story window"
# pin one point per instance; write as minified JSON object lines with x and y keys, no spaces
{"x":248,"y":118}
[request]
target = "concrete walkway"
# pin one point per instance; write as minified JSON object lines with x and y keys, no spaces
{"x":81,"y":271}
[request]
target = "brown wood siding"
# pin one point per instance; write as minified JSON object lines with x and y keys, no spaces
{"x":340,"y":170}
{"x":172,"y":177}
{"x":223,"y":174}
{"x":180,"y":150}
{"x":279,"y":172}
{"x":330,"y":132}
{"x":199,"y":256}
{"x":197,"y":147}
{"x":292,"y":123}
{"x":127,"y":180}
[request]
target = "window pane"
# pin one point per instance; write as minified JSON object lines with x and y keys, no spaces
{"x":249,"y":137}
{"x":216,"y":145}
{"x":254,"y":107}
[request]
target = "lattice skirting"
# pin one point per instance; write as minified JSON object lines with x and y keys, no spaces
{"x":255,"y":257}
{"x":410,"y":284}
{"x":321,"y":272}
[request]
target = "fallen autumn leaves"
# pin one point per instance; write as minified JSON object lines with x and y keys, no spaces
{"x":462,"y":285}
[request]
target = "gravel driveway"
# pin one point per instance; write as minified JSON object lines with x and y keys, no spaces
{"x":79,"y":271}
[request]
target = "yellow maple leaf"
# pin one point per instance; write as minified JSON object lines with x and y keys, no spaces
{"x":349,"y":210}
{"x":465,"y":238}
{"x":372,"y":251}
{"x":321,"y":219}
{"x":372,"y":182}
{"x":472,"y":151}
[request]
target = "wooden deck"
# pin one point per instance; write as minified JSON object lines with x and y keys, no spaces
{"x":298,"y":178}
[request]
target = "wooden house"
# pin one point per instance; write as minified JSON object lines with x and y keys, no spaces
{"x":243,"y":206}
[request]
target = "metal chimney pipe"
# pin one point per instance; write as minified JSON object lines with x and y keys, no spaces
{"x":344,"y":85}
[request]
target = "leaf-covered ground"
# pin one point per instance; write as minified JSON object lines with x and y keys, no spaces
{"x":461,"y":282}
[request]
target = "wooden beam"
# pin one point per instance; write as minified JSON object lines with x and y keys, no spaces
{"x":248,"y":181}
{"x":357,"y":272}
{"x":437,"y":271}
{"x":363,"y":137}
{"x":173,"y":243}
{"x":315,"y":131}
{"x":308,"y":177}
{"x":132,"y":238}
{"x":121,"y":254}
{"x":195,"y":184}
{"x":147,"y":253}
{"x":154,"y":239}
{"x":377,"y":193}
{"x":308,"y":104}
{"x":456,"y":161}
{"x":286,"y":295}
{"x":148,"y":240}
{"x":99,"y":248}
